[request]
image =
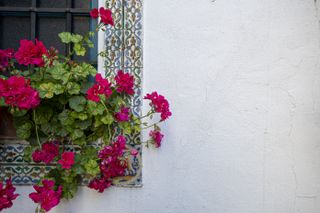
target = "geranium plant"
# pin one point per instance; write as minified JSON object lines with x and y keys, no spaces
{"x":57,"y":102}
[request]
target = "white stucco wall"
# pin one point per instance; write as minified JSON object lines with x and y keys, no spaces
{"x":243,"y":78}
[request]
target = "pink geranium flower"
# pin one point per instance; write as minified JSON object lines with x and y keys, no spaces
{"x":5,"y":56}
{"x":17,"y":92}
{"x":106,"y":16}
{"x":31,"y":53}
{"x":94,"y":13}
{"x":124,"y":82}
{"x":99,"y":184}
{"x":102,"y":87}
{"x":160,"y":105}
{"x":156,"y":137}
{"x":123,"y":115}
{"x":46,"y":196}
{"x":48,"y":152}
{"x":7,"y":195}
{"x":67,"y":160}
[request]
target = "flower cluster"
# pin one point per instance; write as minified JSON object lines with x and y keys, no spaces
{"x":112,"y":164}
{"x":17,"y":92}
{"x":105,"y":15}
{"x":7,"y":195}
{"x":45,"y":195}
{"x":5,"y":56}
{"x":125,"y":82}
{"x":102,"y":87}
{"x":67,"y":160}
{"x":160,"y":105}
{"x":156,"y":137}
{"x":48,"y":152}
{"x":123,"y":115}
{"x":30,"y":53}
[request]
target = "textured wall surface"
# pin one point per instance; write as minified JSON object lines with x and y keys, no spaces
{"x":244,"y":81}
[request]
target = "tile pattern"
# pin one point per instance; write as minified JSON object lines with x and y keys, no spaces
{"x":123,"y":44}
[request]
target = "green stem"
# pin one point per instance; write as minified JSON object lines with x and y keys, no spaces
{"x":152,"y":125}
{"x":36,"y":126}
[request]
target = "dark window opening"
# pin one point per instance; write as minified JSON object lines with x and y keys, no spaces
{"x":42,"y":20}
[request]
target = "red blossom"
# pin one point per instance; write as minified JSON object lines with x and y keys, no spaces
{"x":125,"y":82}
{"x":67,"y":160}
{"x":106,"y":16}
{"x":102,"y":87}
{"x":134,"y":152}
{"x":7,"y":195}
{"x":94,"y":13}
{"x":123,"y":115}
{"x":156,"y":137}
{"x":5,"y":56}
{"x":46,"y":196}
{"x":17,"y":92}
{"x":160,"y":104}
{"x":99,"y":184}
{"x":30,"y":53}
{"x":48,"y":152}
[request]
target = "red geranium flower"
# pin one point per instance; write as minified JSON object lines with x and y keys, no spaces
{"x":99,"y":184}
{"x":46,"y":196}
{"x":30,"y":53}
{"x":7,"y":195}
{"x":67,"y":160}
{"x":49,"y":151}
{"x":156,"y":137}
{"x":102,"y":87}
{"x":106,"y":16}
{"x":125,"y":82}
{"x":5,"y":56}
{"x":160,"y":104}
{"x":17,"y":92}
{"x":123,"y":115}
{"x":94,"y":13}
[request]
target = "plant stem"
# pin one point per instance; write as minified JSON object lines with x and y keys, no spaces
{"x":152,"y":125}
{"x":36,"y":126}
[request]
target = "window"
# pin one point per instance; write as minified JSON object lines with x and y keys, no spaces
{"x":43,"y":20}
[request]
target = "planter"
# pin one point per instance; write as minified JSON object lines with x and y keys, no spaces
{"x":7,"y":130}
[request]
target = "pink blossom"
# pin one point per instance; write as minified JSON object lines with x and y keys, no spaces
{"x":106,"y":16}
{"x":102,"y":87}
{"x":134,"y":152}
{"x":7,"y":195}
{"x":124,"y":82}
{"x":17,"y":92}
{"x":156,"y":137}
{"x":46,"y":196}
{"x":5,"y":56}
{"x":99,"y":184}
{"x":67,"y":160}
{"x":160,"y":104}
{"x":30,"y":53}
{"x":94,"y":13}
{"x":123,"y":115}
{"x":48,"y":152}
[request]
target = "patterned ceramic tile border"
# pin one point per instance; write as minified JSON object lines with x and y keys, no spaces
{"x":124,"y":42}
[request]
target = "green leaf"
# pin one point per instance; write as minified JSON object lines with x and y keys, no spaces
{"x":65,"y":118}
{"x":77,"y":133}
{"x":77,"y":103}
{"x":65,"y":37}
{"x":58,"y":89}
{"x":46,"y":90}
{"x":59,"y":72}
{"x":76,"y":38}
{"x":43,"y":114}
{"x":23,"y":131}
{"x":2,"y":102}
{"x":79,"y":49}
{"x":95,"y":108}
{"x":92,"y":167}
{"x":107,"y":119}
{"x":73,"y":88}
{"x":83,"y":124}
